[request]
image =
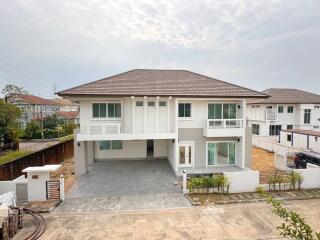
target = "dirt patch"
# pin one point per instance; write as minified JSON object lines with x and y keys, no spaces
{"x":67,"y":170}
{"x":41,"y":206}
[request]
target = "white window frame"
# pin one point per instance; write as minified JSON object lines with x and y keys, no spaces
{"x":222,"y":108}
{"x":106,"y":118}
{"x":222,"y":165}
{"x":191,"y":112}
{"x":181,"y":143}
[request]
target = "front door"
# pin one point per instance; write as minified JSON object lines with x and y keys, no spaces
{"x":186,"y":154}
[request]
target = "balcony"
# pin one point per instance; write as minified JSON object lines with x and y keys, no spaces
{"x":223,"y":128}
{"x":114,"y":131}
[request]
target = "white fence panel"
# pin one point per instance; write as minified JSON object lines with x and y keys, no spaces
{"x":311,"y":177}
{"x":245,"y":181}
{"x":272,"y":146}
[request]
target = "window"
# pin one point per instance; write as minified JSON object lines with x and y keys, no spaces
{"x":307,"y":116}
{"x":274,"y":130}
{"x":280,"y":109}
{"x":139,"y":103}
{"x":289,"y":127}
{"x":104,"y":110}
{"x":255,"y":129}
{"x":290,"y":109}
{"x":184,"y":110}
{"x":222,"y":111}
{"x":269,"y":107}
{"x":162,"y":103}
{"x":289,"y":138}
{"x":221,"y":153}
{"x":111,"y":145}
{"x":151,"y":104}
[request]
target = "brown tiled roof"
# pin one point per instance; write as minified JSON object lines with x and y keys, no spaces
{"x":68,"y":115}
{"x":144,"y":82}
{"x":304,"y":132}
{"x":64,"y":102}
{"x":35,"y":100}
{"x":289,"y":96}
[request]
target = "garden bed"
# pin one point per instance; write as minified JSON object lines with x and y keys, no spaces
{"x":204,"y":199}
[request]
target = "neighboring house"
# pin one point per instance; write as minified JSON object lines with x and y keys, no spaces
{"x":33,"y":107}
{"x":196,"y":122}
{"x":66,"y":105}
{"x":69,"y":117}
{"x":285,"y":109}
{"x":302,"y":139}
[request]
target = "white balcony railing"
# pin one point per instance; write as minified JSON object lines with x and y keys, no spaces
{"x":224,"y":123}
{"x":110,"y":128}
{"x":271,"y":114}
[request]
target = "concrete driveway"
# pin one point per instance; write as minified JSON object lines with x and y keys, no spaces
{"x":125,"y":185}
{"x":233,"y":221}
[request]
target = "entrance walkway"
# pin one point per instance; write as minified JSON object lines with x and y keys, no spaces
{"x":125,"y":185}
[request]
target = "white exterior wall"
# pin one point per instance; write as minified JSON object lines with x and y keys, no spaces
{"x":245,"y":181}
{"x":257,"y":115}
{"x":37,"y":187}
{"x":199,"y":112}
{"x":300,"y":141}
{"x":136,"y":149}
{"x":132,"y":115}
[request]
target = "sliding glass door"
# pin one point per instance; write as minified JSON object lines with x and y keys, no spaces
{"x":221,"y":153}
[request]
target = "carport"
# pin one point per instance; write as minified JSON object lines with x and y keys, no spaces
{"x":125,"y":177}
{"x":116,"y":185}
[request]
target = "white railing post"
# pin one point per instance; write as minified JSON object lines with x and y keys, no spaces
{"x":184,"y":182}
{"x":61,"y":187}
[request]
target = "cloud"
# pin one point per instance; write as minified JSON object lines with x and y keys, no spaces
{"x":240,"y":40}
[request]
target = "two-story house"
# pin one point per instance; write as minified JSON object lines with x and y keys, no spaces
{"x":285,"y":109}
{"x":194,"y":121}
{"x":33,"y":107}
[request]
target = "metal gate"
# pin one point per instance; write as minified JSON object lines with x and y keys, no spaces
{"x":53,"y":190}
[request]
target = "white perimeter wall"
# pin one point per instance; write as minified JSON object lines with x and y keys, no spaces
{"x":245,"y":181}
{"x":311,"y":177}
{"x":300,"y":141}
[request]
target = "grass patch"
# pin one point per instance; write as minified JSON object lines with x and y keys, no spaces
{"x":66,"y":138}
{"x":7,"y":157}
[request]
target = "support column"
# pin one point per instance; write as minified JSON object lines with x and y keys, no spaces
{"x":133,"y":106}
{"x":176,"y":129}
{"x":145,"y":118}
{"x":157,"y":114}
{"x":168,"y":114}
{"x":244,"y":113}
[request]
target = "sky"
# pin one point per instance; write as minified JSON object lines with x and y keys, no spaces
{"x":54,"y":45}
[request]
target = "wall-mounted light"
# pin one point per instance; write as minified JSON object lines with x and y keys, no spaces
{"x":238,"y":139}
{"x":78,"y":144}
{"x":239,"y":106}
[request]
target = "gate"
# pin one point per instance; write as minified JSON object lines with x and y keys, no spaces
{"x":53,"y":190}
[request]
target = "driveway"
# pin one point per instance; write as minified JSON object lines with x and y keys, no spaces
{"x":125,"y":185}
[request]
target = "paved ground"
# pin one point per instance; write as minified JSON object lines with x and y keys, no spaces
{"x":234,"y":221}
{"x":125,"y":185}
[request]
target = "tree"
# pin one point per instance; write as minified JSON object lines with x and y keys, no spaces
{"x":12,"y":89}
{"x":294,"y":225}
{"x":51,"y":122}
{"x":32,"y":129}
{"x":9,"y":114}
